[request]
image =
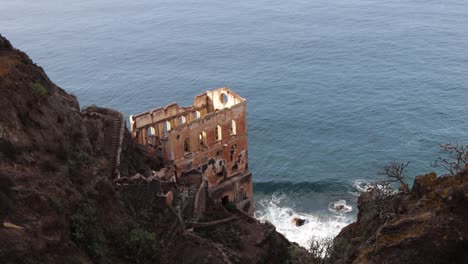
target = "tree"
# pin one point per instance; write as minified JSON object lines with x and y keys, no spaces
{"x":395,"y":172}
{"x":456,"y":160}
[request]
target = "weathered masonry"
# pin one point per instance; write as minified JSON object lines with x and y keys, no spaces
{"x":208,"y":138}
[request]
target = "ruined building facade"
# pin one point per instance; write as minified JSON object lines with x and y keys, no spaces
{"x":208,"y":138}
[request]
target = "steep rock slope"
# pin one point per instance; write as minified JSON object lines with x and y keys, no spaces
{"x":41,"y":131}
{"x":59,"y":203}
{"x":427,"y":225}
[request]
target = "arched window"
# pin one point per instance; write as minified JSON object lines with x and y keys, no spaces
{"x":202,"y":139}
{"x":232,"y":127}
{"x":218,"y":133}
{"x":182,"y":120}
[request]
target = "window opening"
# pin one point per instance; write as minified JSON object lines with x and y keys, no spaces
{"x":241,"y":195}
{"x":218,"y":133}
{"x":167,"y":127}
{"x":182,"y":120}
{"x":225,"y":200}
{"x":187,"y":145}
{"x":202,"y":139}
{"x":150,"y":132}
{"x":223,"y":98}
{"x":233,"y":127}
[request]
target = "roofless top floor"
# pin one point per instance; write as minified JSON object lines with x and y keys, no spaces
{"x":160,"y":121}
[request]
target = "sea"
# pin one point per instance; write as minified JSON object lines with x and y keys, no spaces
{"x":336,"y":89}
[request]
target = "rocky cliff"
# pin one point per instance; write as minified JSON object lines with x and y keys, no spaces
{"x":426,"y":225}
{"x":59,"y":202}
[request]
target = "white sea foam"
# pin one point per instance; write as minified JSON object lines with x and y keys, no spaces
{"x":340,"y":206}
{"x":317,"y":227}
{"x":365,"y":186}
{"x":361,"y":186}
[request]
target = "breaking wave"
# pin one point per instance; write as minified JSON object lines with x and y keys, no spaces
{"x":361,"y":186}
{"x":340,"y":206}
{"x":318,"y":226}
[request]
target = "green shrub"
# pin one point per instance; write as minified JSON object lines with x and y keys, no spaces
{"x":89,"y":107}
{"x":296,"y":254}
{"x":82,"y":157}
{"x":86,"y":232}
{"x":140,"y":246}
{"x":38,"y":90}
{"x":78,"y":159}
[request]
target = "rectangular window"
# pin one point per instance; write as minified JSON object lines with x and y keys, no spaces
{"x":218,"y":133}
{"x":187,"y":145}
{"x":167,"y":127}
{"x":232,"y":128}
{"x":202,"y":139}
{"x":151,"y":133}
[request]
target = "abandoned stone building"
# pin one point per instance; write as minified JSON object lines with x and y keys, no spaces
{"x":208,"y":138}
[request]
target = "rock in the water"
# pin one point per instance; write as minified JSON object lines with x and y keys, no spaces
{"x":298,"y":221}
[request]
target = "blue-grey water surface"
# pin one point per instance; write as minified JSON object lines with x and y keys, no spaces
{"x":335,"y":88}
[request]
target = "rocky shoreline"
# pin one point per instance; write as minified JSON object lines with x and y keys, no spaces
{"x":58,"y":200}
{"x":60,"y":204}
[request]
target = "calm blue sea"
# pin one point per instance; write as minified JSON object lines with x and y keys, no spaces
{"x":335,"y":88}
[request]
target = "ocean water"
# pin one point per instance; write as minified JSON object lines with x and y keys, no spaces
{"x":335,"y":89}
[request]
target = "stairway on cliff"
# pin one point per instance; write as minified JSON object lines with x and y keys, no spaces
{"x":115,"y":142}
{"x":190,"y":204}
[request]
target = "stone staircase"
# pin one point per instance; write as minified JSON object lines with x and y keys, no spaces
{"x":114,"y":157}
{"x":190,"y":204}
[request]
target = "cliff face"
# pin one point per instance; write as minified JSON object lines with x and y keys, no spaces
{"x":58,"y":203}
{"x":40,"y":132}
{"x":427,"y":225}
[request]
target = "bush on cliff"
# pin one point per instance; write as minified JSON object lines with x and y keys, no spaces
{"x":38,"y":90}
{"x":86,"y":231}
{"x":78,"y":159}
{"x":140,"y":246}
